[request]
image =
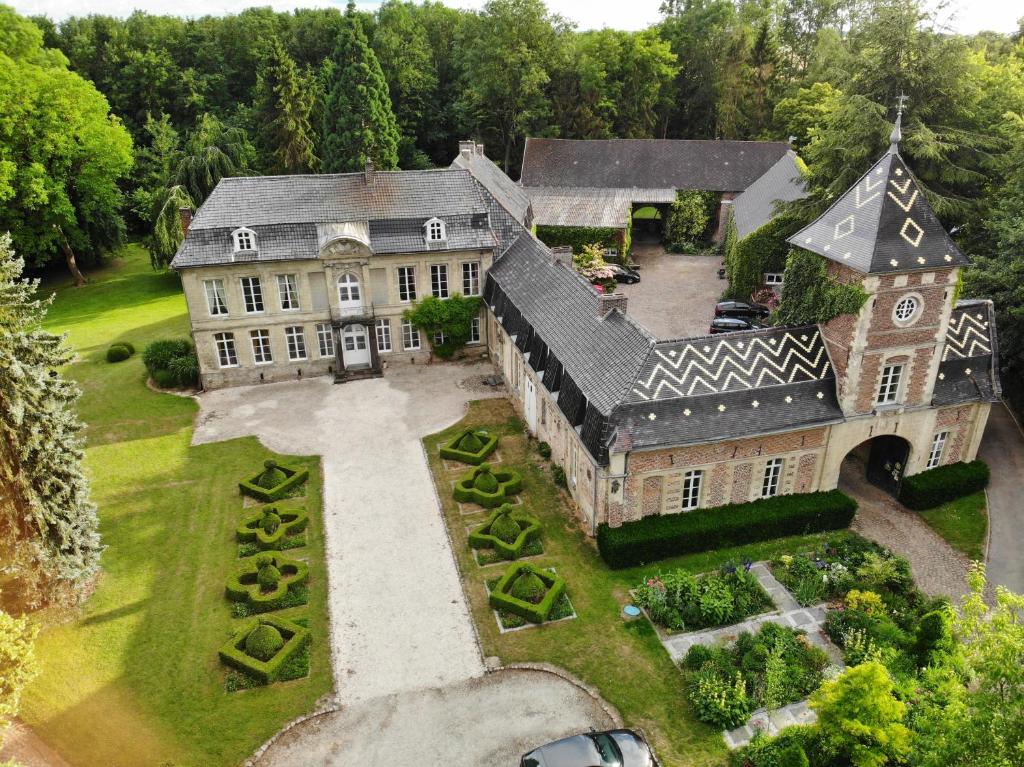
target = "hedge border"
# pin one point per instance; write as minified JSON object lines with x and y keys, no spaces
{"x":233,"y":653}
{"x":237,"y":591}
{"x":659,"y":537}
{"x":464,"y":491}
{"x":452,"y":453}
{"x":500,"y":599}
{"x":934,"y":487}
{"x":478,"y":539}
{"x":296,"y":522}
{"x":295,"y":477}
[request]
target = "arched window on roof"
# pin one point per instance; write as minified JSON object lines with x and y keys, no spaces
{"x":433,"y":230}
{"x":245,"y":239}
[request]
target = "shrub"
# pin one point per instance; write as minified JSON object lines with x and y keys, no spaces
{"x":264,"y":642}
{"x":502,"y":598}
{"x":487,"y":487}
{"x":689,"y":218}
{"x":129,"y":346}
{"x":678,"y":600}
{"x":271,"y":476}
{"x":507,"y":544}
{"x":866,"y":601}
{"x":270,"y":522}
{"x":787,"y":749}
{"x":943,"y":484}
{"x":452,"y":316}
{"x":118,"y":353}
{"x":716,"y":602}
{"x":164,"y":379}
{"x":269,"y":528}
{"x":470,"y":443}
{"x":235,"y":652}
{"x":504,"y":528}
{"x":265,"y":580}
{"x":485,"y":481}
{"x":268,"y":577}
{"x":934,"y":635}
{"x":456,"y":448}
{"x":544,"y":449}
{"x":185,"y":369}
{"x":293,"y":478}
{"x":158,"y":355}
{"x":697,"y":656}
{"x":558,"y":475}
{"x":659,"y":537}
{"x":528,"y":587}
{"x":719,"y":700}
{"x":578,"y":237}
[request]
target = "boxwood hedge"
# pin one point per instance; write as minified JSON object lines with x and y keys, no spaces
{"x":529,"y":530}
{"x":293,"y":478}
{"x":295,"y":638}
{"x":501,"y":599}
{"x":660,"y":537}
{"x":453,"y":449}
{"x":292,"y":522}
{"x":943,"y":484}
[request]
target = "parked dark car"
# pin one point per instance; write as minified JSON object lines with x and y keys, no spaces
{"x":613,"y":748}
{"x":625,"y":274}
{"x":732,"y":324}
{"x":742,"y":310}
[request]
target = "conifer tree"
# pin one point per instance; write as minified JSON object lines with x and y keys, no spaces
{"x":359,"y":124}
{"x":49,"y":536}
{"x":284,"y":100}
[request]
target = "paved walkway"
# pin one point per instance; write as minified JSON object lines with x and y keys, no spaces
{"x":1002,"y":448}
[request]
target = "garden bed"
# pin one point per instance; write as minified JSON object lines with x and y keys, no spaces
{"x":561,"y":610}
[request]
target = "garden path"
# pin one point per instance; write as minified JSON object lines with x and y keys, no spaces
{"x":1002,"y":448}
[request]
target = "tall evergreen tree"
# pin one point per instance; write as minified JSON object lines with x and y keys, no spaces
{"x":359,"y":124}
{"x":284,"y":100}
{"x":49,"y":531}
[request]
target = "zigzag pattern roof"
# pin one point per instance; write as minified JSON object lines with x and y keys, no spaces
{"x":695,"y":367}
{"x":968,"y":334}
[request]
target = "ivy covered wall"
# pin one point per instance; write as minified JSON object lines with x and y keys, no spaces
{"x":763,"y":250}
{"x":579,"y":236}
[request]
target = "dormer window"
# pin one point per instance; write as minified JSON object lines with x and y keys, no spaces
{"x":245,"y":239}
{"x":434,"y":229}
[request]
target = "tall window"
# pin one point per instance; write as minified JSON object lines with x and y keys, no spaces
{"x":435,"y":230}
{"x":215,"y":297}
{"x":383,"y":328}
{"x":471,"y":278}
{"x":772,"y":475}
{"x":261,"y":347}
{"x":348,"y":288}
{"x":440,"y":338}
{"x":325,"y":339}
{"x":296,"y":339}
{"x":252,"y":294}
{"x":474,"y":331}
{"x":410,"y":336}
{"x":407,"y":283}
{"x":890,"y":387}
{"x":288,"y":291}
{"x":936,"y":453}
{"x":226,"y":354}
{"x":692,"y":480}
{"x":439,"y":280}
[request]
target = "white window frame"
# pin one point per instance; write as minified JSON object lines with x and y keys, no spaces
{"x":912,"y":301}
{"x":693,"y":485}
{"x":439,"y":281}
{"x":288,"y":292}
{"x":262,"y":353}
{"x":771,"y":481}
{"x":216,"y":298}
{"x":227,"y":354}
{"x":938,"y":447}
{"x":410,"y":337}
{"x":252,"y":294}
{"x":890,"y":383}
{"x":383,"y":340}
{"x":474,"y":331}
{"x":244,"y":240}
{"x":471,"y":278}
{"x":295,"y":340}
{"x":773,"y":278}
{"x":440,"y":338}
{"x":434,"y":230}
{"x":325,"y":339}
{"x":406,"y":284}
{"x":351,"y":284}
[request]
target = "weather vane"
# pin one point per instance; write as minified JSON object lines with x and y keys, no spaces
{"x":897,"y":131}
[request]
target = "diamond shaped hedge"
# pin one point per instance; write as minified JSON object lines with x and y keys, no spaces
{"x":487,"y":486}
{"x":274,"y":482}
{"x":470,"y":446}
{"x":269,"y":526}
{"x":263,"y":581}
{"x":505,"y":532}
{"x":263,"y":646}
{"x":527,"y":591}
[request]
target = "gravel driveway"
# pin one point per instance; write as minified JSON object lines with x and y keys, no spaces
{"x":1002,"y":448}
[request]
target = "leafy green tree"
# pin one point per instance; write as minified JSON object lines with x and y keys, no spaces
{"x":582,"y":95}
{"x":213,"y":151}
{"x":284,"y":100}
{"x":167,"y":235}
{"x":451,"y":318}
{"x":358,"y":122}
{"x":49,"y":531}
{"x":155,"y":165}
{"x":688,"y":219}
{"x":642,"y":68}
{"x":810,"y":295}
{"x":805,"y":113}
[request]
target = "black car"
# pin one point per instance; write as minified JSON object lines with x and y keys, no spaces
{"x":613,"y":748}
{"x":625,"y":274}
{"x":732,"y":324}
{"x":742,"y":310}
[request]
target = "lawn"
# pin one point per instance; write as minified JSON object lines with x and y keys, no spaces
{"x":134,"y":678}
{"x":963,"y":523}
{"x":625,"y":661}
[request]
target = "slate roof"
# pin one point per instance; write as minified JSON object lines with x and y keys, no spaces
{"x":575,"y":206}
{"x":720,"y":166}
{"x":969,"y":368}
{"x":756,"y":206}
{"x":882,"y":224}
{"x":504,"y":190}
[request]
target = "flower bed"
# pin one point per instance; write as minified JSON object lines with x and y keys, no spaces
{"x":487,"y":487}
{"x":505,"y":533}
{"x":679,"y":600}
{"x":274,"y":482}
{"x":769,"y":669}
{"x":470,"y":446}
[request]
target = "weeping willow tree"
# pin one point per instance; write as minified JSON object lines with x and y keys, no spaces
{"x":213,"y":151}
{"x":167,"y":234}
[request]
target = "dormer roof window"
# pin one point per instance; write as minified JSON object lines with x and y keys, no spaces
{"x":434,"y":230}
{"x":245,"y":239}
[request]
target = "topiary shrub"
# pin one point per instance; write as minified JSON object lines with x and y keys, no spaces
{"x":118,"y":353}
{"x":265,"y":580}
{"x":934,"y":634}
{"x":268,"y":577}
{"x":269,"y":527}
{"x":236,"y":652}
{"x":528,"y":587}
{"x":270,"y":522}
{"x":286,"y":477}
{"x":485,"y":481}
{"x":264,"y":642}
{"x":943,"y":484}
{"x":505,"y":532}
{"x":503,"y":598}
{"x":544,"y":449}
{"x":487,"y":487}
{"x":504,"y":528}
{"x":271,"y":476}
{"x":470,"y":443}
{"x":128,"y":345}
{"x":470,"y":446}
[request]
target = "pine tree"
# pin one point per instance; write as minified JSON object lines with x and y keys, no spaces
{"x":49,"y":536}
{"x":284,"y":100}
{"x":358,"y":122}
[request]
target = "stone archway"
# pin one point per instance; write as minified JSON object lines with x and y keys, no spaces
{"x":881,"y":460}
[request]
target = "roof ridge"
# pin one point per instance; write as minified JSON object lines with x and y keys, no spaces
{"x":349,"y":174}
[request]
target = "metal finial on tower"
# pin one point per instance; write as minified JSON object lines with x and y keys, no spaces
{"x":897,"y":131}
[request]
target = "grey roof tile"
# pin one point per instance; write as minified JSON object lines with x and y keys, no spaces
{"x":969,"y":371}
{"x":757,"y":205}
{"x":505,"y":191}
{"x":577,"y":206}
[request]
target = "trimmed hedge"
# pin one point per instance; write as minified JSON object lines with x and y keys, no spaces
{"x":293,"y":521}
{"x":244,"y":586}
{"x":295,"y":638}
{"x":118,"y":353}
{"x":763,"y":250}
{"x":943,"y":484}
{"x":577,"y":237}
{"x":509,"y":483}
{"x":529,"y":529}
{"x":654,"y":538}
{"x":501,"y":599}
{"x":452,"y":452}
{"x":293,"y":478}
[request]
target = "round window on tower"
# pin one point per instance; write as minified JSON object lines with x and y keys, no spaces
{"x":907,"y":310}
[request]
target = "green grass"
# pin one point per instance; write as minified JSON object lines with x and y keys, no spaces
{"x":133,"y":678}
{"x":963,"y":523}
{"x":624,"y":660}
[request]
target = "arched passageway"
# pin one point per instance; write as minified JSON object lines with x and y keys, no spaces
{"x":881,"y":460}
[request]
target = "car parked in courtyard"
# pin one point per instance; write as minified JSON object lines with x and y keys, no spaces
{"x":612,"y":748}
{"x":741,"y":309}
{"x":625,"y":274}
{"x":732,"y":324}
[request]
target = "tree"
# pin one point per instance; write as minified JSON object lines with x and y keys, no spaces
{"x":213,"y":151}
{"x":358,"y":122}
{"x":859,"y":717}
{"x":284,"y":100}
{"x":156,"y":163}
{"x":806,"y":112}
{"x":17,"y":663}
{"x":49,"y":531}
{"x":61,"y":154}
{"x":167,"y":234}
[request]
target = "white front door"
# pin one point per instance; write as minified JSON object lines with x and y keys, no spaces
{"x":350,"y":300}
{"x":355,"y":342}
{"x":531,"y":403}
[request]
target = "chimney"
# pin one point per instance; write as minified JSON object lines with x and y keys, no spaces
{"x":608,"y":301}
{"x":186,"y":215}
{"x":480,"y":149}
{"x":562,"y":254}
{"x":368,"y":172}
{"x":466,"y":149}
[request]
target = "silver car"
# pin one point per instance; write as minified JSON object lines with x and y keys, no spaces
{"x":613,"y":748}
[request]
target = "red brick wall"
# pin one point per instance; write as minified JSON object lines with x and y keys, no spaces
{"x":741,"y":483}
{"x":805,"y":473}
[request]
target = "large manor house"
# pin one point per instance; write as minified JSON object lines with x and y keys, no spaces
{"x":297,"y":276}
